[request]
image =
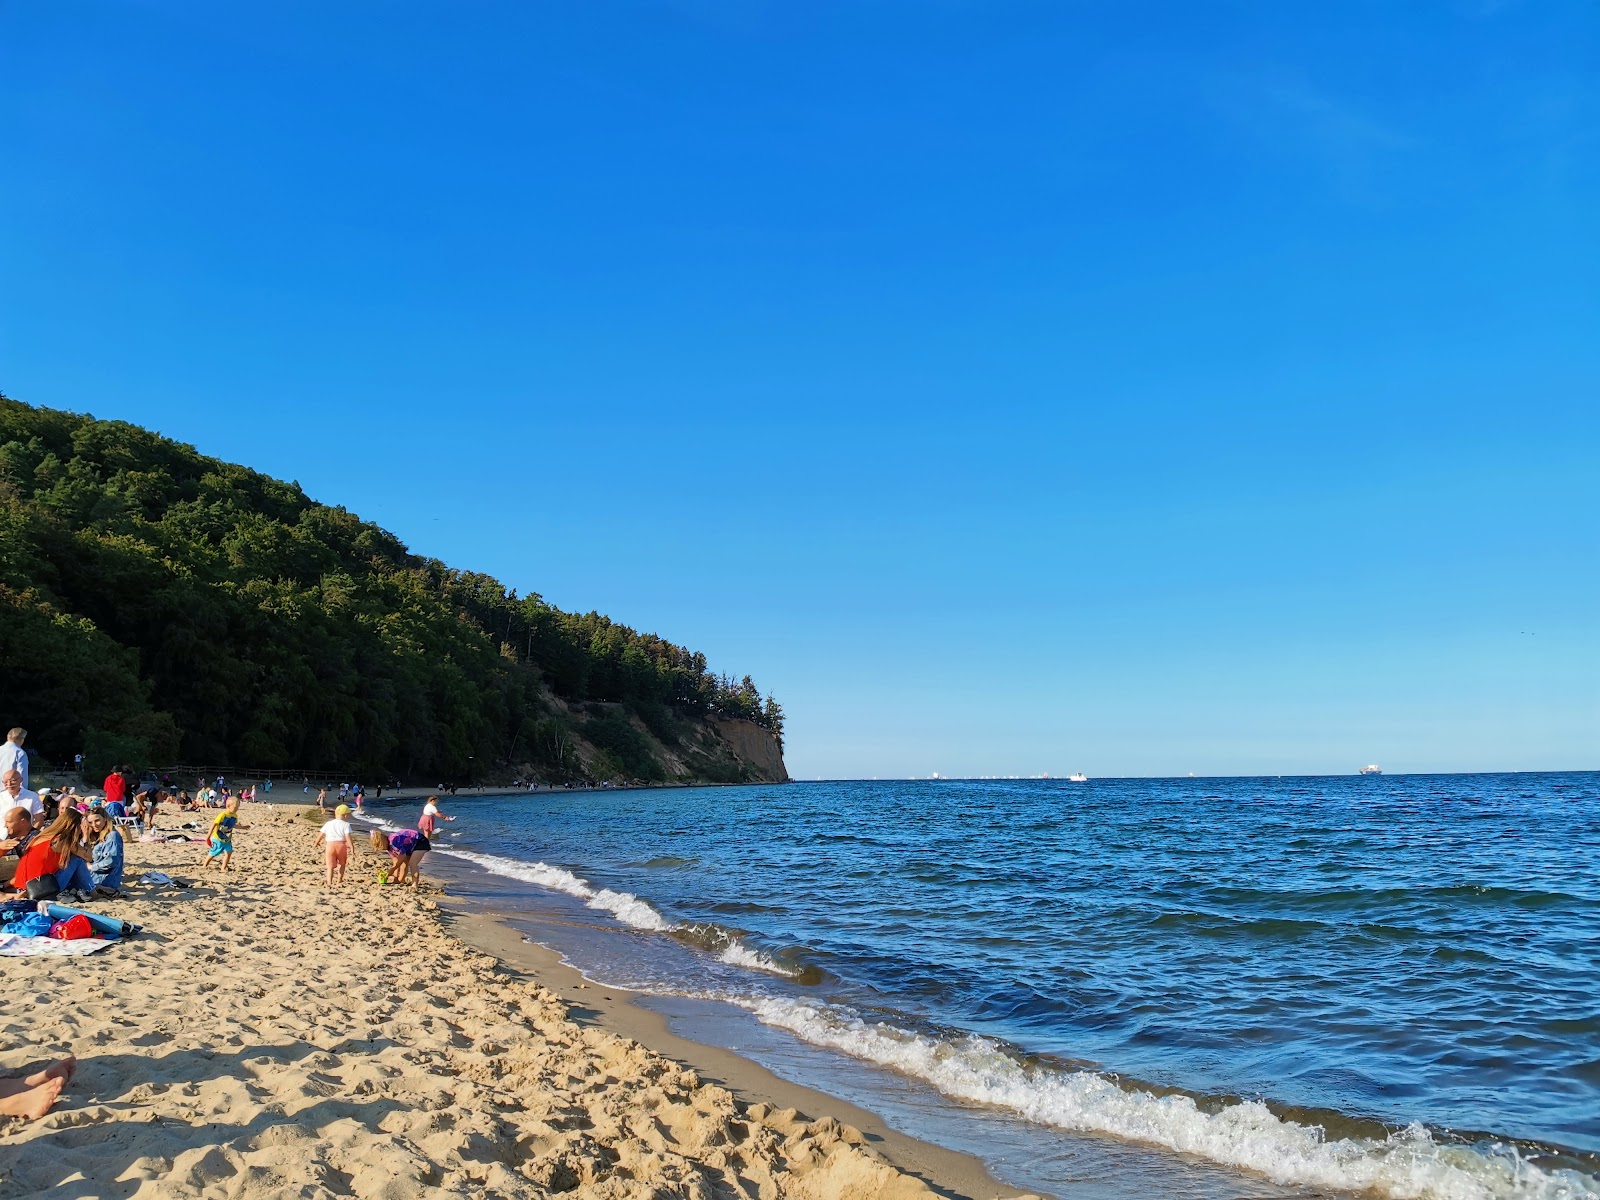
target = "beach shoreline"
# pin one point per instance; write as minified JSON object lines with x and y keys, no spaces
{"x":947,"y":1172}
{"x":265,"y":1036}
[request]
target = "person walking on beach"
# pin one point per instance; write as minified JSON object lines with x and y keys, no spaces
{"x":222,"y":834}
{"x":335,"y":838}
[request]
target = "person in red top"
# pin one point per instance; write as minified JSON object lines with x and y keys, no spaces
{"x":116,"y":788}
{"x":57,"y":851}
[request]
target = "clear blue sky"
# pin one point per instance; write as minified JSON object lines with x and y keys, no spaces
{"x":1138,"y":388}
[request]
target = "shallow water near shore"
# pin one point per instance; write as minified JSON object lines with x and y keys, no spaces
{"x":1246,"y":987}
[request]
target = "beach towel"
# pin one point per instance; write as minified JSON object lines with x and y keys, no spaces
{"x":34,"y":924}
{"x":12,"y":909}
{"x":14,"y":946}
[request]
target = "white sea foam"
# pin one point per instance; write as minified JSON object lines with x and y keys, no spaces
{"x":624,"y":906}
{"x":737,"y":954}
{"x":629,"y":909}
{"x":542,"y":874}
{"x":1410,"y":1165}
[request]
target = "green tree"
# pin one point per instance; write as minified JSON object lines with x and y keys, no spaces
{"x":186,"y":608}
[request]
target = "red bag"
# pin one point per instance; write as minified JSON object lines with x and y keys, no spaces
{"x":73,"y":928}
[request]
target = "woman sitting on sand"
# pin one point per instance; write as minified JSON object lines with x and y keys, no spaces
{"x":106,"y":852}
{"x":60,"y":851}
{"x":405,"y":850}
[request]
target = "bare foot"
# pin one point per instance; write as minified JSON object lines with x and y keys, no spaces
{"x":33,"y":1103}
{"x":62,"y":1070}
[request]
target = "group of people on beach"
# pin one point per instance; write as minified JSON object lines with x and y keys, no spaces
{"x":58,"y":845}
{"x":405,"y":847}
{"x":79,"y":852}
{"x":69,"y":844}
{"x":55,"y":843}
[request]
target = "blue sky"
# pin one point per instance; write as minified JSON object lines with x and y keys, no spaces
{"x":1010,"y":387}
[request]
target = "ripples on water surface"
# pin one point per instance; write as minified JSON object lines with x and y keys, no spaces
{"x":1361,"y":954}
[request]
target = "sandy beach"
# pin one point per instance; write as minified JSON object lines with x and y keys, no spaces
{"x":265,"y":1036}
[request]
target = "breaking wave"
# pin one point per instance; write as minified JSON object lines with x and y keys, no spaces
{"x":629,"y":910}
{"x":1407,"y":1165}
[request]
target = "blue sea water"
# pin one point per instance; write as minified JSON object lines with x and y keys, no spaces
{"x":1344,"y":984}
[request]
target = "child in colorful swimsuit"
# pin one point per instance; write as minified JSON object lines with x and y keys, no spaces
{"x":335,"y":835}
{"x":222,"y":834}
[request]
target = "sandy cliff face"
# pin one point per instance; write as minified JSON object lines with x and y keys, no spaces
{"x":606,"y":742}
{"x":755,"y":746}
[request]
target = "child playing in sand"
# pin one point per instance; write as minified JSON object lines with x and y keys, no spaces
{"x":405,"y":848}
{"x":335,"y":836}
{"x":222,"y":834}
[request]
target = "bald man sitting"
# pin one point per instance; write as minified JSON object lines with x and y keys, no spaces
{"x":18,"y":831}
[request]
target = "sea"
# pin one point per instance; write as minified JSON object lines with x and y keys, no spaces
{"x":1209,"y":988}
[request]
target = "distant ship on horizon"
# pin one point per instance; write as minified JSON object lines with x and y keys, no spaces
{"x":1370,"y":769}
{"x":1077,"y":777}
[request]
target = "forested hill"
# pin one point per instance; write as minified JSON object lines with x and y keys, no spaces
{"x":160,"y":606}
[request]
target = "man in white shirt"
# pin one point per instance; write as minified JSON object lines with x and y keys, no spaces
{"x":14,"y":795}
{"x":12,"y":756}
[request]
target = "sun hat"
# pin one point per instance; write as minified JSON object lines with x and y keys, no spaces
{"x":342,"y":811}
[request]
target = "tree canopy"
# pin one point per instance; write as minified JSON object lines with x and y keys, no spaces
{"x":179,"y":608}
